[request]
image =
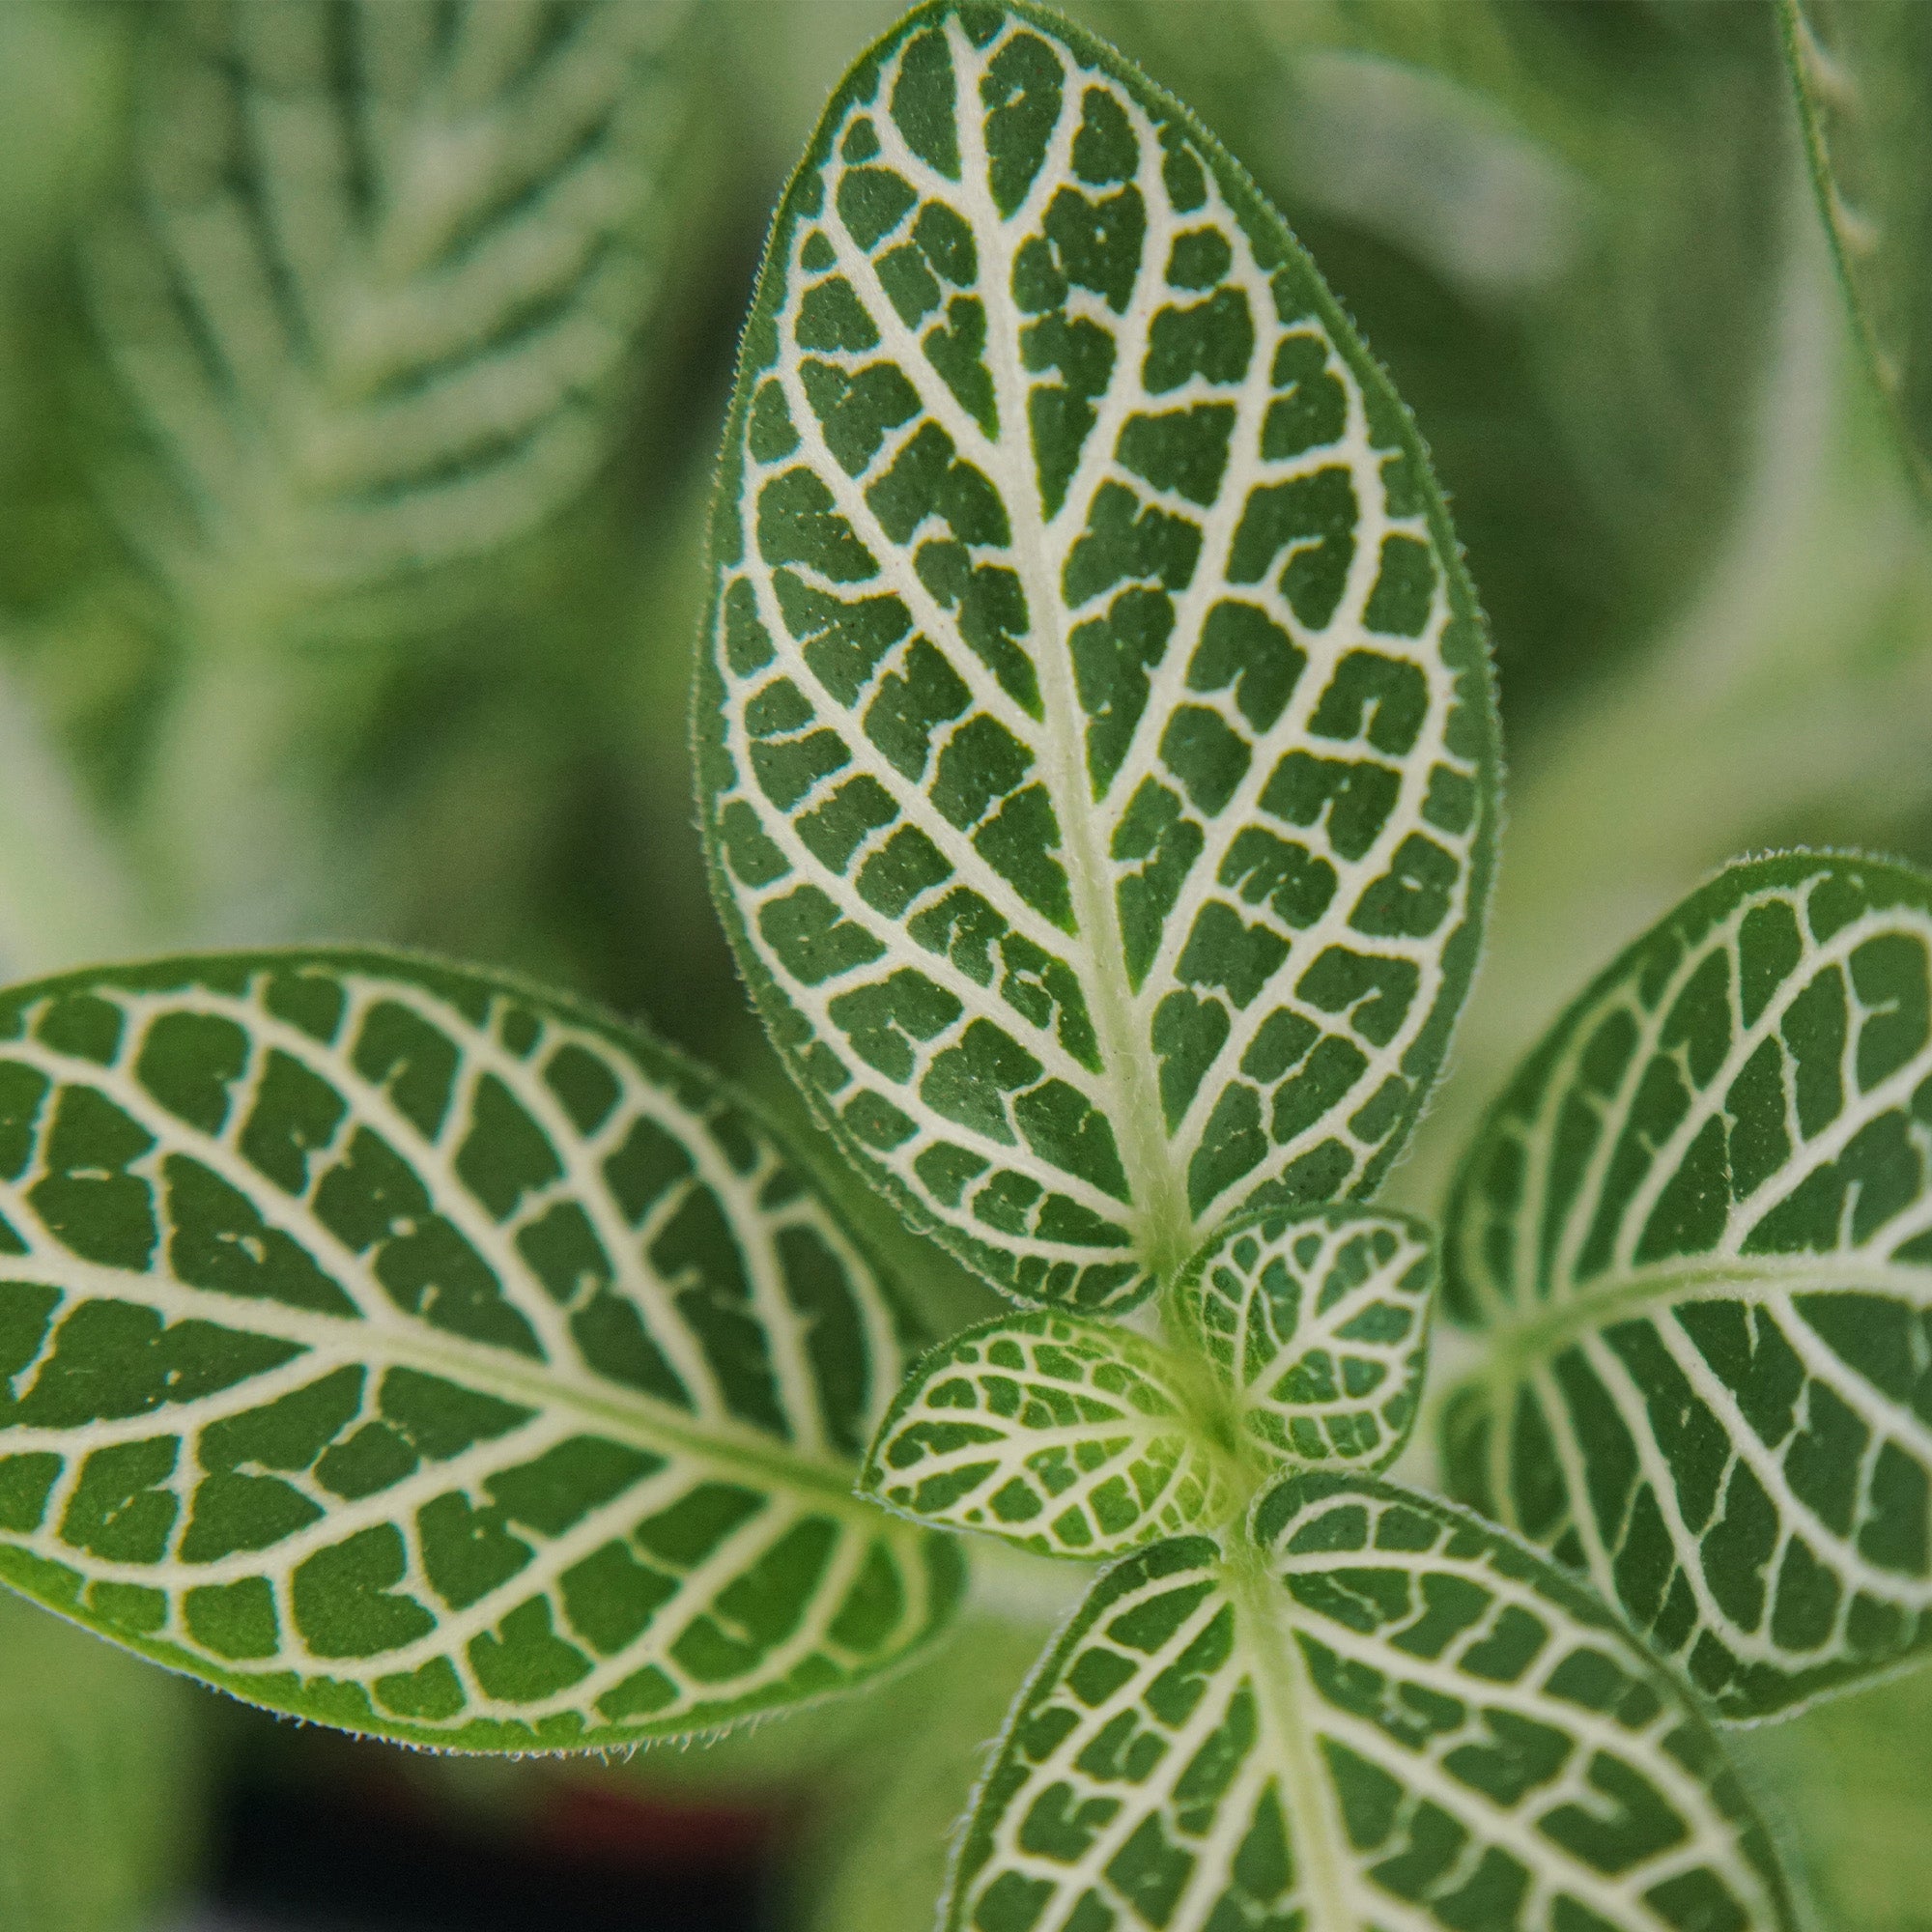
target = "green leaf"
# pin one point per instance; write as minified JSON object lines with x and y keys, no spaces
{"x":1318,"y":1326}
{"x":1070,"y":1436}
{"x":405,"y":1349}
{"x":1862,"y":72}
{"x":1096,"y":746}
{"x":101,"y":1780}
{"x":1078,"y":1437}
{"x":384,"y":263}
{"x":1386,"y":1715}
{"x":1698,"y":1229}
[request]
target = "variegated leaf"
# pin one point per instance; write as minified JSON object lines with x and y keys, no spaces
{"x":1071,"y":1436}
{"x":407,"y":1349}
{"x":1097,"y":753}
{"x":1383,"y":1717}
{"x":1698,"y":1229}
{"x":1318,"y":1324}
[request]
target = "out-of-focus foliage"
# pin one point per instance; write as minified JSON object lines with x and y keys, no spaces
{"x":1863,"y":70}
{"x":63,"y":892}
{"x":1789,"y":702}
{"x":1558,"y":227}
{"x":375,"y":284}
{"x":882,"y":1858}
{"x":100,"y":1780}
{"x":371,"y":301}
{"x":1847,"y":1782}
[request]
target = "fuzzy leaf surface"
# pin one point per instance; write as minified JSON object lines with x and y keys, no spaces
{"x":1097,"y":745}
{"x":383,"y":265}
{"x":1699,"y":1228}
{"x":1067,"y":1436}
{"x":1385,"y":1718}
{"x":1863,"y":70}
{"x":408,"y":1350}
{"x":1318,"y":1326}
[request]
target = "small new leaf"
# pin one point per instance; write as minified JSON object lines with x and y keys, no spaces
{"x":1382,"y":1715}
{"x":1066,"y":1436}
{"x":384,"y":263}
{"x":1096,"y":743}
{"x":1317,"y":1325}
{"x":1699,"y":1228}
{"x":408,"y":1350}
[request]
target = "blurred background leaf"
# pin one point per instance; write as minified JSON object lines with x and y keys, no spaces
{"x":1789,"y":703}
{"x":372,"y":299}
{"x":101,"y":1779}
{"x":1558,"y":227}
{"x":1863,"y":70}
{"x":1847,"y":1781}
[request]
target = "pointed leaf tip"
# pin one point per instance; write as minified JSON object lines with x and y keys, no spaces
{"x":1097,"y":747}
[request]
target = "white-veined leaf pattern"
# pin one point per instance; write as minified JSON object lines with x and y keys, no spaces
{"x":1071,"y":1436}
{"x":1318,"y":1324}
{"x":1296,"y":1340}
{"x":408,"y":1349}
{"x":384,"y":262}
{"x":1698,"y":1229}
{"x":1383,"y":1714}
{"x":1096,"y":747}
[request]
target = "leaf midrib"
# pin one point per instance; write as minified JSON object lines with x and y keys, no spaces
{"x":1517,"y":1342}
{"x":382,"y":1345}
{"x":1286,"y":1697}
{"x":1164,"y":1224}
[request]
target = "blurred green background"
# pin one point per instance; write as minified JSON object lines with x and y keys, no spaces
{"x":1580,"y":234}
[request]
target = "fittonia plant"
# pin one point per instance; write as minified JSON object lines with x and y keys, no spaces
{"x":1097,"y":757}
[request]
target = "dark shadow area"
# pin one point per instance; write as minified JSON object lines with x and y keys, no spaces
{"x":313,"y":1860}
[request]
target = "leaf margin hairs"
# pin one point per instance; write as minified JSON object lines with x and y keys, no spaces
{"x":682,"y":1084}
{"x":1532,"y":1323}
{"x":1470,"y":664}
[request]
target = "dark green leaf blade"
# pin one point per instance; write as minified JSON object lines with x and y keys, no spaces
{"x":404,"y":1348}
{"x":1387,"y":1715}
{"x":1096,"y":747}
{"x":1698,"y":1229}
